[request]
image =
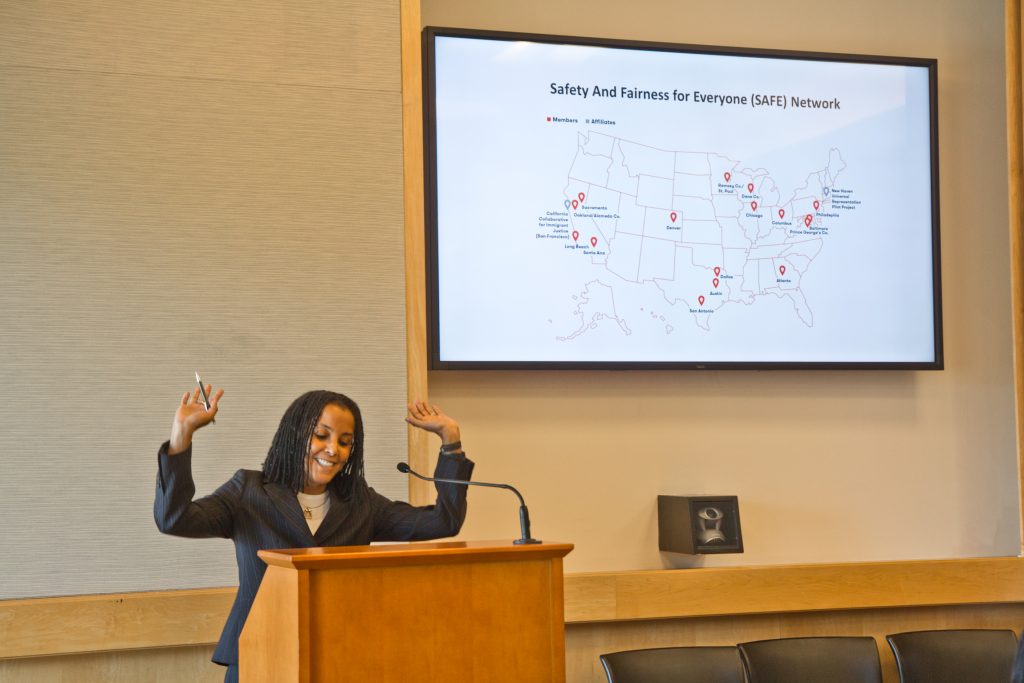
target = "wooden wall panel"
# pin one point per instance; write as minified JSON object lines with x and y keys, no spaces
{"x":585,"y":642}
{"x":142,"y":620}
{"x":828,"y":466}
{"x":794,"y":588}
{"x":170,"y":665}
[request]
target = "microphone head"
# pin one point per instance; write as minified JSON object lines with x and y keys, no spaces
{"x":403,"y":468}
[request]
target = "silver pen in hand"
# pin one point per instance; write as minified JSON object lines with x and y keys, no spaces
{"x":206,"y":397}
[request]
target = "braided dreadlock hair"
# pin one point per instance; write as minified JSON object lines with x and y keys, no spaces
{"x":286,"y":459}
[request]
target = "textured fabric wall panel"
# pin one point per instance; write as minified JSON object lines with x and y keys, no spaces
{"x":184,"y":187}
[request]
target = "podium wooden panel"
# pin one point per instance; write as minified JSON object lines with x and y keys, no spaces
{"x":452,"y":611}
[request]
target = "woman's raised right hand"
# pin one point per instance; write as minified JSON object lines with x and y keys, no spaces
{"x":192,"y":415}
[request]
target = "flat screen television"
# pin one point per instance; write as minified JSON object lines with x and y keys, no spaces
{"x":608,"y":204}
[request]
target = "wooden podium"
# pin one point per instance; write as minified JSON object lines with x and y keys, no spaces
{"x":453,"y":611}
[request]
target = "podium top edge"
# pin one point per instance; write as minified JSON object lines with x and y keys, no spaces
{"x":431,"y":552}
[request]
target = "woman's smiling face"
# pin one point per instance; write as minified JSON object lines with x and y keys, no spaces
{"x":329,"y":447}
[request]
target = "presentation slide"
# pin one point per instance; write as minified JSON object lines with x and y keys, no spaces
{"x":604,"y":204}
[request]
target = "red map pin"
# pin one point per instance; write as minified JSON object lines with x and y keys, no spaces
{"x":700,"y":300}
{"x":593,"y":241}
{"x":575,"y":203}
{"x":753,"y":206}
{"x":782,"y":213}
{"x":715,"y":282}
{"x":816,"y":204}
{"x":575,"y":235}
{"x":581,"y":196}
{"x":782,"y":270}
{"x":750,"y":187}
{"x":807,"y":220}
{"x":727,"y":176}
{"x":718,"y":271}
{"x":672,"y":216}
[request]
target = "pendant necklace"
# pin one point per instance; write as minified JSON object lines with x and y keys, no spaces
{"x":308,"y":511}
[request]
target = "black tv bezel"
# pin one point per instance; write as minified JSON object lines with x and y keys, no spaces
{"x":431,"y":221}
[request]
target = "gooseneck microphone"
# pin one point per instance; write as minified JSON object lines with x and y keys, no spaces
{"x":524,"y":514}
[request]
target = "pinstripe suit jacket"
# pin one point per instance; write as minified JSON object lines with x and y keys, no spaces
{"x":258,"y":515}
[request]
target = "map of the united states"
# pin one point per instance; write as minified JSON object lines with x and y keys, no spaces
{"x":703,"y":228}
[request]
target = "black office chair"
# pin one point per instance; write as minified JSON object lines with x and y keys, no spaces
{"x":674,"y":665}
{"x":954,"y":656}
{"x":812,"y":660}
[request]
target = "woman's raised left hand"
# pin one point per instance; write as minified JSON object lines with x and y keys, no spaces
{"x":432,"y":419}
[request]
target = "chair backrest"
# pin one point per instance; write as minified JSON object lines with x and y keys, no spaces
{"x":953,"y":656}
{"x":812,"y":660}
{"x":674,"y":665}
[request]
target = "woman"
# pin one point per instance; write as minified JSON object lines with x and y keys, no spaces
{"x":1017,"y":675}
{"x":311,"y":492}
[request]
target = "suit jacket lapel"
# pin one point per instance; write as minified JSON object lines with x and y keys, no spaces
{"x":287,"y":505}
{"x":336,"y":514}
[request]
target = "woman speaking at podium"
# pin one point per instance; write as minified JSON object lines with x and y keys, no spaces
{"x":311,"y":491}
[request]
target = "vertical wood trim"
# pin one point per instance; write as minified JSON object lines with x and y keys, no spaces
{"x":304,"y":616}
{"x":420,"y":492}
{"x":272,"y":644}
{"x":1014,"y":124}
{"x":557,"y":578}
